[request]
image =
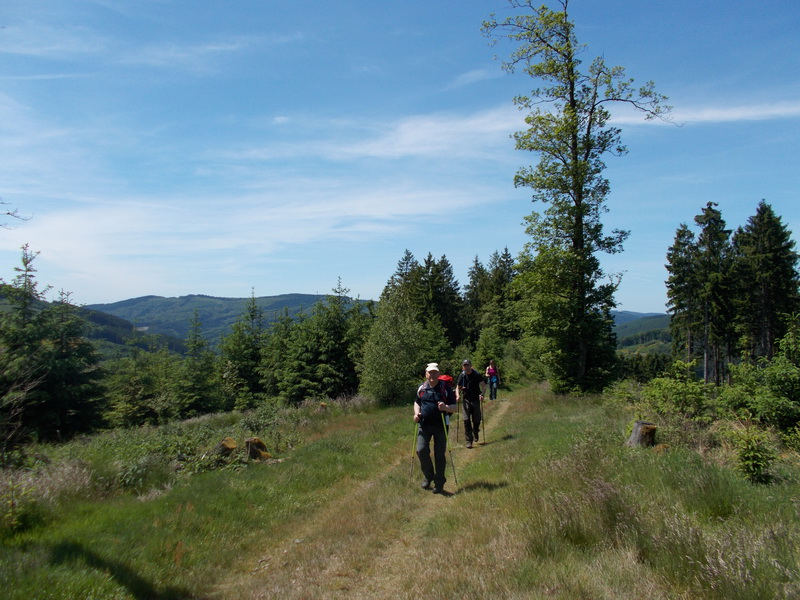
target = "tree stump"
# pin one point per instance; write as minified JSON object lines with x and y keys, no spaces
{"x":257,"y":449}
{"x":226,"y":447}
{"x":643,"y":434}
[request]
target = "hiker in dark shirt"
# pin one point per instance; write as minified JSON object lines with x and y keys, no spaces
{"x":433,"y":406}
{"x":469,"y":389}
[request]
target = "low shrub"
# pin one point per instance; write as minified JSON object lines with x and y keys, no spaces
{"x":755,"y":454}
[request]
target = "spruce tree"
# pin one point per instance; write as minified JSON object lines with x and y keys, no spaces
{"x":683,"y":293}
{"x":241,"y":358}
{"x":318,"y":362}
{"x":274,"y":352}
{"x":49,"y":374}
{"x":477,"y":296}
{"x":713,"y":270}
{"x":197,"y":387}
{"x":766,"y":281}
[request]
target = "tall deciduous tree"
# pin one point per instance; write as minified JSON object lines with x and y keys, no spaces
{"x":568,"y":128}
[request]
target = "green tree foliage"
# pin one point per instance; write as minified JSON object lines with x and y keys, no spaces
{"x":241,"y":358}
{"x":568,"y":128}
{"x":679,"y":394}
{"x":431,"y":294}
{"x":768,"y":391}
{"x":143,"y":389}
{"x":198,"y":388}
{"x":477,"y":296}
{"x":713,"y":269}
{"x":683,"y":292}
{"x":274,"y":352}
{"x":700,"y":291}
{"x":49,"y":375}
{"x":729,"y":297}
{"x":320,"y":357}
{"x":395,"y":354}
{"x":488,"y":299}
{"x":438,"y":293}
{"x":643,"y":367}
{"x":766,"y":281}
{"x":401,"y":340}
{"x":71,"y":394}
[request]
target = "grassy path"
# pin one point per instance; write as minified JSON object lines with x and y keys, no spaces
{"x":368,"y":543}
{"x":554,"y":506}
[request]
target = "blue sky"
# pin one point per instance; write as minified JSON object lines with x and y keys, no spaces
{"x":218,"y":147}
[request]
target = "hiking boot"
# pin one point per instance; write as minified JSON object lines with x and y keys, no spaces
{"x":426,"y":484}
{"x":438,"y":490}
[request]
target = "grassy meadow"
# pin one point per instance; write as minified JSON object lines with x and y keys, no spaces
{"x":551,"y":506}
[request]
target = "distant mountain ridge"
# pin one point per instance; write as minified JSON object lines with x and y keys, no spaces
{"x":644,"y":334}
{"x":172,"y":316}
{"x":625,"y":316}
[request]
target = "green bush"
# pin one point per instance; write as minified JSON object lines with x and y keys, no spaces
{"x":755,"y":454}
{"x":768,"y":393}
{"x":149,"y":472}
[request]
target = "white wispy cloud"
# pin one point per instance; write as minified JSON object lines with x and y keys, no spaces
{"x":447,"y":136}
{"x":442,"y":135}
{"x":197,"y":56}
{"x":474,"y":76}
{"x":718,"y":113}
{"x":730,"y":114}
{"x":51,"y":41}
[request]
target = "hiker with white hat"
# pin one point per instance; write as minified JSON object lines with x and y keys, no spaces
{"x":435,"y":399}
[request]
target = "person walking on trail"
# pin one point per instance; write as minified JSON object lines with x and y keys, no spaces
{"x":434,"y":403}
{"x":469,"y":389}
{"x":493,"y":378}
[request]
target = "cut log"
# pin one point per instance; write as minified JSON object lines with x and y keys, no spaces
{"x":643,"y":434}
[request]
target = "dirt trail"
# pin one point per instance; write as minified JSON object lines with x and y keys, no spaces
{"x":392,"y":568}
{"x":379,"y":537}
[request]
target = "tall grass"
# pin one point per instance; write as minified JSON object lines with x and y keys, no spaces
{"x":552,"y":506}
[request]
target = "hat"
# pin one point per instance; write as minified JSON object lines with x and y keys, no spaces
{"x":466,"y":362}
{"x":432,"y":367}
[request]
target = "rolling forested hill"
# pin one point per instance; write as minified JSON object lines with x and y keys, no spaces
{"x":171,"y":316}
{"x":649,"y":333}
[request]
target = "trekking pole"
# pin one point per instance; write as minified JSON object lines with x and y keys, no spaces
{"x":452,"y":463}
{"x":413,"y":452}
{"x":483,"y":419}
{"x":458,"y":418}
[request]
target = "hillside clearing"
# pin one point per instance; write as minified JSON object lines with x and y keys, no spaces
{"x":553,"y":506}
